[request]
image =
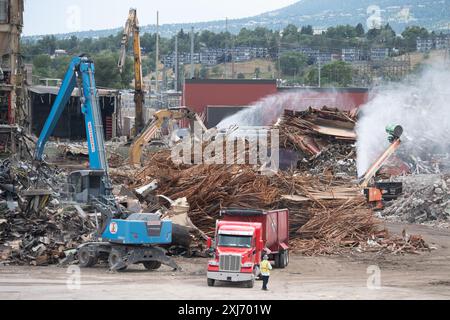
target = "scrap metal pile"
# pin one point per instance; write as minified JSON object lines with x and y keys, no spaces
{"x":324,"y":137}
{"x":41,"y":234}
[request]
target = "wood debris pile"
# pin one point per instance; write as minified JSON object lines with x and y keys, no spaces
{"x":324,"y":137}
{"x":327,"y":214}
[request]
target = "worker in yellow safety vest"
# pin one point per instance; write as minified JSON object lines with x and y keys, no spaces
{"x":265,"y":271}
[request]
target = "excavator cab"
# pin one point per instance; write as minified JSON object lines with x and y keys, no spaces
{"x":86,"y":184}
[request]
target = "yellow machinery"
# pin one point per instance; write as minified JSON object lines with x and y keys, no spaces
{"x":132,"y":30}
{"x":149,"y":133}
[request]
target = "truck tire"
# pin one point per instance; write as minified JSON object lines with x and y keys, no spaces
{"x":250,"y":284}
{"x":286,"y":258}
{"x":114,"y":257}
{"x":151,"y":265}
{"x":85,"y":258}
{"x":211,"y":282}
{"x":282,"y":259}
{"x":278,"y":260}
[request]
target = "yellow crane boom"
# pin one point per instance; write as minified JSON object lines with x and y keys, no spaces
{"x":150,"y":131}
{"x":132,"y":30}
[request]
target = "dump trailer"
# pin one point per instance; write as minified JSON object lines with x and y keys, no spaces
{"x":242,"y":238}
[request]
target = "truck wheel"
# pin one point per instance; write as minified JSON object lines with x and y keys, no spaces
{"x":151,"y":265}
{"x":286,"y":255}
{"x":257,"y":273}
{"x":250,"y":284}
{"x":282,"y":260}
{"x":114,"y":258}
{"x":211,"y":282}
{"x":278,"y":260}
{"x":85,"y":258}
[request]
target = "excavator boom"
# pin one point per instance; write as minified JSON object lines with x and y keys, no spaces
{"x":132,"y":30}
{"x":158,"y":119}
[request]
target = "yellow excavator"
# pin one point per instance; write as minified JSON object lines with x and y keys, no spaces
{"x":132,"y":30}
{"x":151,"y":130}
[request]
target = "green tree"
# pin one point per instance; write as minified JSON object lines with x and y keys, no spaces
{"x":337,"y":73}
{"x":204,"y":73}
{"x":60,"y":65}
{"x":290,"y":34}
{"x":307,"y":30}
{"x":215,"y":71}
{"x":359,"y":30}
{"x":257,"y":73}
{"x":42,"y":65}
{"x":411,"y":34}
{"x":107,"y":74}
{"x":292,"y":63}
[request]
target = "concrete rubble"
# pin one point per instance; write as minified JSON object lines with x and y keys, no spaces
{"x":426,"y":199}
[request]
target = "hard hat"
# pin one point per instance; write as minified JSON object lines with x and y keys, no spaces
{"x":266,"y":257}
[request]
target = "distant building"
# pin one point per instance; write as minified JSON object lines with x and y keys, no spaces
{"x":424,"y":45}
{"x":352,"y":54}
{"x":442,"y":42}
{"x":60,"y":53}
{"x":214,"y":56}
{"x":379,"y":54}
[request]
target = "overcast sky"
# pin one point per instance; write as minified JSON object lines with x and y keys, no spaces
{"x":62,"y":16}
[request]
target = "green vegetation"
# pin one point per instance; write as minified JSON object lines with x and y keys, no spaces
{"x":106,"y":72}
{"x":292,"y":64}
{"x":336,"y":74}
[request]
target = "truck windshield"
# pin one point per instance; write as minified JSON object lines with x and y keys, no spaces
{"x":235,"y":241}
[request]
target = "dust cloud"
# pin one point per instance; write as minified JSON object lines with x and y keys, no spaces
{"x":421,"y":105}
{"x":269,"y":109}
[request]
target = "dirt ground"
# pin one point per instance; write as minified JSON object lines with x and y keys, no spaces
{"x":424,"y":276}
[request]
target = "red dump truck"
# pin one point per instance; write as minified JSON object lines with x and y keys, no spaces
{"x":242,"y":237}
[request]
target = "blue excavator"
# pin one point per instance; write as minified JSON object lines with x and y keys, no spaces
{"x":122,"y":238}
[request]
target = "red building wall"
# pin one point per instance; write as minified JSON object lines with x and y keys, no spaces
{"x":198,"y":94}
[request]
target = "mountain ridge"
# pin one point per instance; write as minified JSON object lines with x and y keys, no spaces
{"x":432,"y":14}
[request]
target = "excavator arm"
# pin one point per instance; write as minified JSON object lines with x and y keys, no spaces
{"x":132,"y":29}
{"x":158,"y":119}
{"x":84,"y":68}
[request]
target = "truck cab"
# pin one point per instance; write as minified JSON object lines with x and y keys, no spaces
{"x":241,"y":239}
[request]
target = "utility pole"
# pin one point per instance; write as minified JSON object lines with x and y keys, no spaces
{"x":226,"y":48}
{"x":157,"y":54}
{"x":232,"y":57}
{"x":192,"y":53}
{"x":176,"y":63}
{"x":279,"y":59}
{"x":320,"y":72}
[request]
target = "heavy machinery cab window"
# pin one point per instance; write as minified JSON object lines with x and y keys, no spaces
{"x":235,"y":241}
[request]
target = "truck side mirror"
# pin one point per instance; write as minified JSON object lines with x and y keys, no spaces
{"x":209,"y":243}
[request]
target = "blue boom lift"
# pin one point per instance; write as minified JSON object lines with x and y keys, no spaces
{"x":121,"y":238}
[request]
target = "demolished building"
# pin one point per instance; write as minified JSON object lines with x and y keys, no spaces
{"x":11,"y":72}
{"x":71,"y":125}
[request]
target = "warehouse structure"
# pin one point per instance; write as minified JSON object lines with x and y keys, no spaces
{"x":218,"y":99}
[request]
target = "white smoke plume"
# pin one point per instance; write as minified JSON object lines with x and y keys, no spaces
{"x":421,"y":105}
{"x":269,"y":109}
